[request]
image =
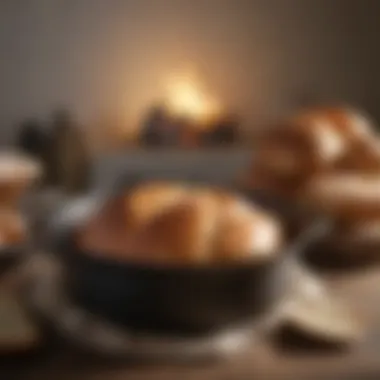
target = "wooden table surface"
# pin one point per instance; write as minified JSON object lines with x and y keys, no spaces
{"x":361,"y":290}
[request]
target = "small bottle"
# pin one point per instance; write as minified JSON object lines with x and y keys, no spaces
{"x":69,"y":164}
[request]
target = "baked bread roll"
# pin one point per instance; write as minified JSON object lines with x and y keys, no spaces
{"x":211,"y":226}
{"x":324,"y":142}
{"x":287,"y":158}
{"x":352,"y":243}
{"x":364,"y":157}
{"x":246,"y":232}
{"x":362,"y":230}
{"x":183,"y":233}
{"x":351,"y":124}
{"x":259,"y":180}
{"x":149,"y":200}
{"x":345,"y":195}
{"x":199,"y":226}
{"x":308,"y":143}
{"x":312,"y":141}
{"x":106,"y":232}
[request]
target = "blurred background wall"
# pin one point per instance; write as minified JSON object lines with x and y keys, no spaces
{"x":111,"y":57}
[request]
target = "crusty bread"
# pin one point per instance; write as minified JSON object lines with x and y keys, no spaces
{"x":215,"y":226}
{"x":345,"y":195}
{"x":310,"y":142}
{"x":257,"y":179}
{"x":364,"y":157}
{"x":149,"y":200}
{"x":246,"y":232}
{"x":350,"y":124}
{"x":278,"y":153}
{"x":326,"y":143}
{"x":200,"y":226}
{"x":358,"y":230}
{"x":106,"y":231}
{"x":182,"y":234}
{"x":292,"y":159}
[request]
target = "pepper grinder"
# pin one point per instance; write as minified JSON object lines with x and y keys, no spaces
{"x":68,"y":166}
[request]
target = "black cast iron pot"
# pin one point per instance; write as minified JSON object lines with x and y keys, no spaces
{"x":167,"y":299}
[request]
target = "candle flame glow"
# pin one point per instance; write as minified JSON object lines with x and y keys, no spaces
{"x":186,"y":98}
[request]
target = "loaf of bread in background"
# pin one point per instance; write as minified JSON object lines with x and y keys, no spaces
{"x":364,"y":157}
{"x":314,"y":141}
{"x":358,"y":231}
{"x":345,"y":195}
{"x":351,"y":124}
{"x":259,"y":179}
{"x":308,"y":143}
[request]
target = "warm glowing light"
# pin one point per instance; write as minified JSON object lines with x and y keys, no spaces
{"x":186,"y":98}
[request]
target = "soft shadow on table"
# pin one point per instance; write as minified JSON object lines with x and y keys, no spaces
{"x":58,"y":356}
{"x":324,"y":257}
{"x":293,"y":343}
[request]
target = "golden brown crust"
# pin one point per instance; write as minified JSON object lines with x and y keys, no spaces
{"x":149,"y":200}
{"x":345,"y":195}
{"x":183,"y":234}
{"x":246,"y":232}
{"x":311,"y":142}
{"x":202,"y":226}
{"x":293,"y":159}
{"x":363,"y":158}
{"x":351,"y":124}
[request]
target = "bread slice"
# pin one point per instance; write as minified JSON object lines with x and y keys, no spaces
{"x":316,"y":317}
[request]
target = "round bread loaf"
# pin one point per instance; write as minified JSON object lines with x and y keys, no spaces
{"x":312,"y":140}
{"x":345,"y":195}
{"x":364,"y":157}
{"x":149,"y":200}
{"x":182,"y":233}
{"x":246,"y":232}
{"x":351,"y":124}
{"x":358,"y":230}
{"x":175,"y":224}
